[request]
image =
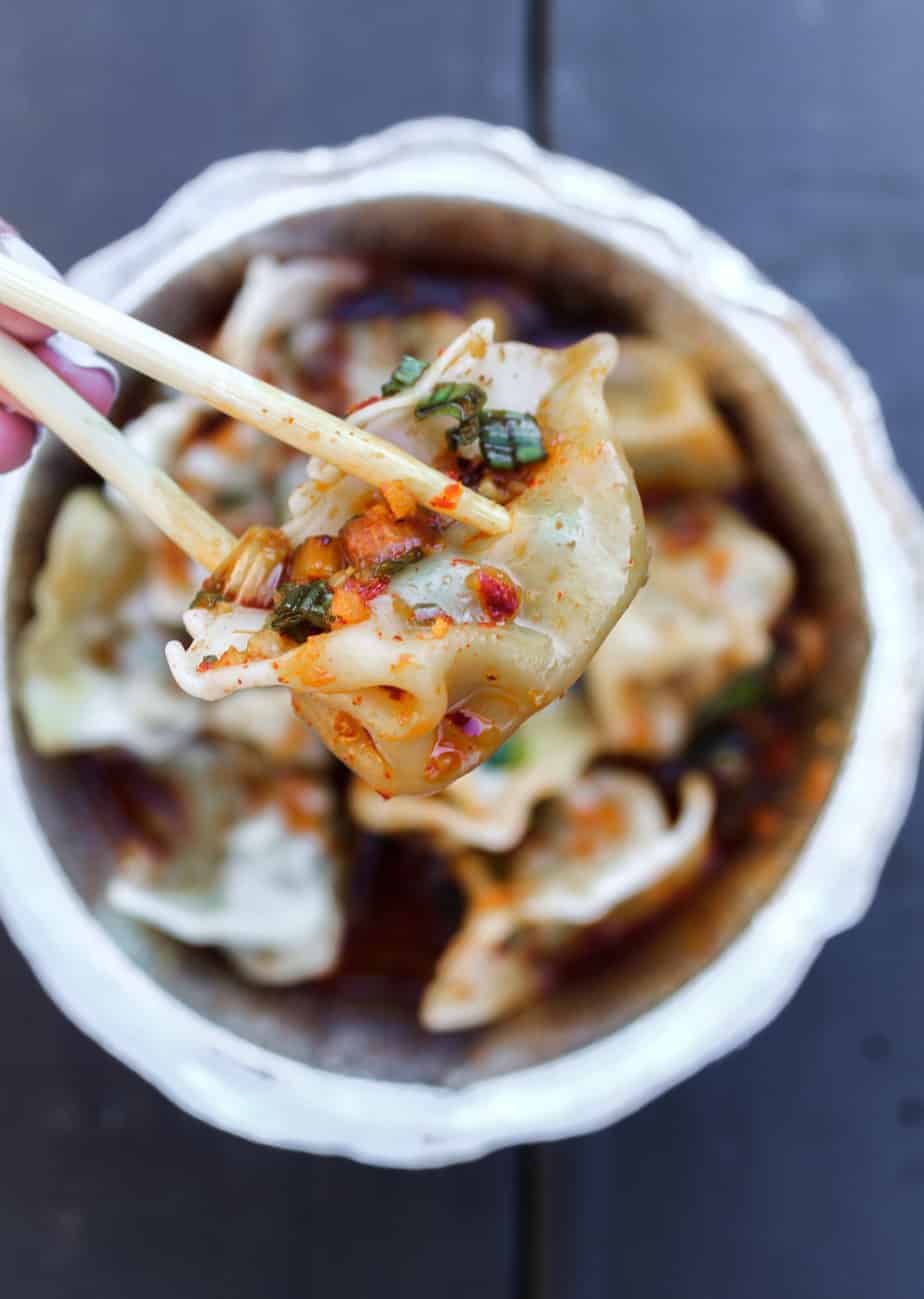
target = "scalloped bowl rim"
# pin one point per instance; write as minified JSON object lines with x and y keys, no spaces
{"x":266,"y":1097}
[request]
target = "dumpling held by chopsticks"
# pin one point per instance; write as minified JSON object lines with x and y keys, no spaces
{"x":414,"y":646}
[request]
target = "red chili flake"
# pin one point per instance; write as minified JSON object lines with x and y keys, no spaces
{"x":448,"y":498}
{"x":497,"y":594}
{"x":361,"y":405}
{"x":367,"y":590}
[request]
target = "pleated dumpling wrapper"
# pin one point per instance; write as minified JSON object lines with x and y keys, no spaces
{"x":90,"y":662}
{"x":90,"y":665}
{"x":716,"y":586}
{"x":262,"y":883}
{"x":490,"y":808}
{"x":605,"y":852}
{"x":413,"y":646}
{"x":275,"y":326}
{"x":671,"y":431}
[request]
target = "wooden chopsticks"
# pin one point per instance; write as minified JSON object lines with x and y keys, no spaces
{"x":151,"y":352}
{"x":103,"y":447}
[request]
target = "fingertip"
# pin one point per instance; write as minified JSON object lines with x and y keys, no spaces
{"x":88,"y":374}
{"x":17,"y":438}
{"x":21,"y":327}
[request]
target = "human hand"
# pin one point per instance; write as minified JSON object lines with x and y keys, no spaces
{"x":81,"y":367}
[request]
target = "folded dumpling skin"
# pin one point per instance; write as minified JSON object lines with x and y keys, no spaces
{"x":90,"y":664}
{"x":264,"y":886}
{"x":490,"y":808}
{"x":605,"y":851}
{"x":673,"y":434}
{"x":716,"y":586}
{"x":411,"y":700}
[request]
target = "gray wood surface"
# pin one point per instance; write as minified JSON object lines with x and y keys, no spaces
{"x":106,"y":106}
{"x":795,"y":1167}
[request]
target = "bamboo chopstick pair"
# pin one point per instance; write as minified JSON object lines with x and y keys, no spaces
{"x":151,"y":352}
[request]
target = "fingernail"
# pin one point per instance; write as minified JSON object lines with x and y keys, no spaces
{"x":83,"y":357}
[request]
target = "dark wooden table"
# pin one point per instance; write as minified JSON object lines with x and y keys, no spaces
{"x":794,"y":1168}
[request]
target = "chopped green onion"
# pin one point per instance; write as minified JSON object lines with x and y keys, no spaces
{"x":509,"y":439}
{"x":207,"y":599}
{"x":301,"y":608}
{"x":463,"y":401}
{"x":389,"y":567}
{"x":404,"y":375}
{"x":512,"y":753}
{"x":748,"y":689}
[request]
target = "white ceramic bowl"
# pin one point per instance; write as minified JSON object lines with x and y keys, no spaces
{"x":359,"y":1080}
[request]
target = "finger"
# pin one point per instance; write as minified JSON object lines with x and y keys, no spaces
{"x":85,"y":370}
{"x":17,"y":436}
{"x":14,"y":246}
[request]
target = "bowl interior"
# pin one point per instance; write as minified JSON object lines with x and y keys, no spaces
{"x":369,"y":1027}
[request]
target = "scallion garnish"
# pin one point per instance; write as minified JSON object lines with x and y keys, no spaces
{"x":509,"y":439}
{"x":747,"y":689}
{"x":301,"y":608}
{"x":404,"y":375}
{"x":389,"y":567}
{"x":204,"y":599}
{"x":463,"y":401}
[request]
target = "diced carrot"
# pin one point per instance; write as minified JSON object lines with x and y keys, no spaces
{"x":267,"y":644}
{"x":348,"y":606}
{"x":376,"y":540}
{"x":440,"y":627}
{"x":317,"y":557}
{"x":399,"y":498}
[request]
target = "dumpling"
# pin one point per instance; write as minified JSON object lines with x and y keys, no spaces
{"x":490,"y":808}
{"x":372,"y":348}
{"x":275,"y":329}
{"x":606,"y":851}
{"x":373,"y":334}
{"x":412,"y":646}
{"x":266,"y":889}
{"x":715,"y":588}
{"x":266,"y":721}
{"x":671,"y":432}
{"x":90,"y":663}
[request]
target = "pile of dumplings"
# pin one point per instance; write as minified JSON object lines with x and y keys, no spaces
{"x":565,"y":830}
